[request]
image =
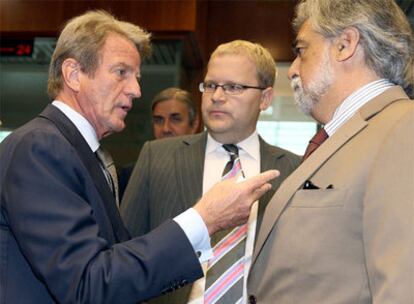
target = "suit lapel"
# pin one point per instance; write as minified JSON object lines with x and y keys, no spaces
{"x":268,"y":160}
{"x":72,"y":134}
{"x":189,"y":166}
{"x":189,"y":162}
{"x":295,"y":181}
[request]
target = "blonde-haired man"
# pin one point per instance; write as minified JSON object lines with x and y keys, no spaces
{"x":237,"y":86}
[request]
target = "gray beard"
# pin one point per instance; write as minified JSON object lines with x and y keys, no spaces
{"x":307,"y":99}
{"x":304,"y":102}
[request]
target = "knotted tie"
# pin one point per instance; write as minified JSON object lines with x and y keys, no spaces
{"x":108,"y":167}
{"x":224,"y":277}
{"x":315,"y":142}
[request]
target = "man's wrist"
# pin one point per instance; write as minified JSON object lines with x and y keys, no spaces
{"x":197,"y":233}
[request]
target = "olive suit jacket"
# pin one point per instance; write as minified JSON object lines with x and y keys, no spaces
{"x":349,"y":238}
{"x":168,"y":179}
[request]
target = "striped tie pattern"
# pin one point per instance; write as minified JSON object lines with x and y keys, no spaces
{"x":224,"y":277}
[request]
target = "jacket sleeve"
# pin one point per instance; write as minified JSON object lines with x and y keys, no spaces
{"x":47,"y":195}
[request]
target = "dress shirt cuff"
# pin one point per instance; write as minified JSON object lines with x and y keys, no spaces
{"x":196,"y":231}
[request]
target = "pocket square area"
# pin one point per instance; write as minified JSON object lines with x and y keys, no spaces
{"x":318,"y":198}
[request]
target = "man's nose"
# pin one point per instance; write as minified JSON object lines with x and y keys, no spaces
{"x":166,"y":126}
{"x":133,"y":88}
{"x":293,"y":69}
{"x":219,"y":95}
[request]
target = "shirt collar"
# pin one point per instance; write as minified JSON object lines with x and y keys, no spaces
{"x":354,"y":102}
{"x":81,"y":123}
{"x":250,"y":145}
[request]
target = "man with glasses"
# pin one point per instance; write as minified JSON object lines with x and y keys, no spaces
{"x":172,"y":173}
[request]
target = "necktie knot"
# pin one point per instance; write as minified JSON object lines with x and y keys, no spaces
{"x":315,"y":142}
{"x":233,"y":151}
{"x":104,"y":157}
{"x":319,"y":137}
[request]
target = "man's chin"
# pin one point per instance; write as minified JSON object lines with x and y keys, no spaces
{"x":218,"y":127}
{"x":305,"y":109}
{"x":118,"y":127}
{"x":304,"y":105}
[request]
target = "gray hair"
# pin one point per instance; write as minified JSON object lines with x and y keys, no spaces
{"x":180,"y":95}
{"x":386,"y":35}
{"x":261,"y":57}
{"x":83,"y":37}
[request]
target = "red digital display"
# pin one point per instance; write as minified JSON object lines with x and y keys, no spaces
{"x":16,"y":48}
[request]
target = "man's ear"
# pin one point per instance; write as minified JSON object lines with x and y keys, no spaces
{"x":71,"y":74}
{"x":346,"y":44}
{"x":267,"y":97}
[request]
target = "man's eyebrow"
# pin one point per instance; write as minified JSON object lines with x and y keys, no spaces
{"x":118,"y":65}
{"x":126,"y":66}
{"x":157,"y":117}
{"x":297,"y":41}
{"x":123,"y":64}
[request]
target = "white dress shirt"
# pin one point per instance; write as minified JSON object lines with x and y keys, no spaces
{"x":81,"y":123}
{"x":190,"y":221}
{"x":354,"y":102}
{"x":215,"y":160}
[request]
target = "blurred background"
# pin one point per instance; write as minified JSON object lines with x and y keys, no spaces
{"x":184,"y":34}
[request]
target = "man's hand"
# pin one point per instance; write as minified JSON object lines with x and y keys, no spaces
{"x":227,"y":204}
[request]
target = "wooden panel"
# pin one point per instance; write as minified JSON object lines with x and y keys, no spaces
{"x":48,"y":16}
{"x":265,"y":22}
{"x":202,"y":25}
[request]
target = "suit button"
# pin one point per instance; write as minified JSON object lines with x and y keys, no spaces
{"x":252,"y":299}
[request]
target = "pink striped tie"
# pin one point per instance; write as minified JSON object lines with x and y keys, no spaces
{"x":224,"y":277}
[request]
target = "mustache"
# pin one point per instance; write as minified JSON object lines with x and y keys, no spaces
{"x":296,"y":83}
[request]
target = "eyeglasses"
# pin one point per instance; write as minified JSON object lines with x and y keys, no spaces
{"x":228,"y":88}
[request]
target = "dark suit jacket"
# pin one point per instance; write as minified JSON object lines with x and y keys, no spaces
{"x":168,"y":179}
{"x":60,"y":230}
